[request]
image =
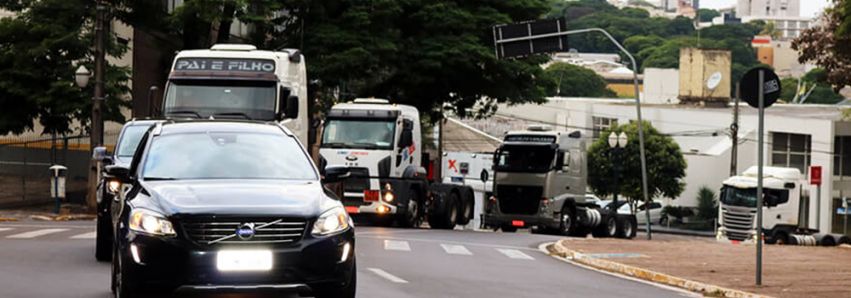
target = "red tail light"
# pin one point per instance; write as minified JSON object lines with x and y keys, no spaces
{"x":518,"y":223}
{"x":371,"y":195}
{"x":352,"y":209}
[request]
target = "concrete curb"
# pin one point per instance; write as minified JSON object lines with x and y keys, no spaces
{"x":560,"y":249}
{"x":4,"y":219}
{"x":66,"y":217}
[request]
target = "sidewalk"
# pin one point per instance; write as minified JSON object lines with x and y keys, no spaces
{"x":676,"y":231}
{"x":700,"y":263}
{"x":45,"y":213}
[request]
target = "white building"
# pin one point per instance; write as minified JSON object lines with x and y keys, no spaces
{"x":768,"y":8}
{"x":796,"y":136}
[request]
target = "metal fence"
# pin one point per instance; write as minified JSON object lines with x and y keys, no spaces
{"x":24,"y":163}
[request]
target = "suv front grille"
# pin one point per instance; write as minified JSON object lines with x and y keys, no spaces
{"x":515,"y":199}
{"x":213,"y":231}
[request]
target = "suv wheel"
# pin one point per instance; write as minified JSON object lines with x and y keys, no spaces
{"x":347,"y":291}
{"x":103,"y":240}
{"x":120,"y":287}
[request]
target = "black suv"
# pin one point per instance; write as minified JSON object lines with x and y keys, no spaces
{"x":229,"y":206}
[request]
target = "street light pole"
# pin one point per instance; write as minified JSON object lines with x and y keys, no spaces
{"x":96,"y":132}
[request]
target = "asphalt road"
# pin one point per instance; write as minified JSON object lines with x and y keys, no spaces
{"x":39,"y":259}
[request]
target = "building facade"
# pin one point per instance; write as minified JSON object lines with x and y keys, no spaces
{"x":768,"y":8}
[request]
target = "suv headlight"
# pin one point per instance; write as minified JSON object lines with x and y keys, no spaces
{"x":150,"y":222}
{"x":333,"y":221}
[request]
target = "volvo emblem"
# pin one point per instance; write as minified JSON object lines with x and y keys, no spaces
{"x":351,"y":157}
{"x":245,"y":231}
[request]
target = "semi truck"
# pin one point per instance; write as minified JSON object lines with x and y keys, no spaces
{"x":239,"y":81}
{"x":381,"y":145}
{"x":785,"y":211}
{"x":540,"y":179}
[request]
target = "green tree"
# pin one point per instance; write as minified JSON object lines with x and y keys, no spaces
{"x":707,"y":204}
{"x":571,"y":80}
{"x":814,"y":87}
{"x":826,"y":44}
{"x":665,"y":164}
{"x":40,"y":49}
{"x":706,"y":15}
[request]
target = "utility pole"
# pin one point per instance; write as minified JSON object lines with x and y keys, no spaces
{"x":96,"y":132}
{"x":734,"y":134}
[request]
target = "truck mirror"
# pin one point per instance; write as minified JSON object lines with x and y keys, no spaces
{"x":565,"y":161}
{"x":292,"y":107}
{"x":406,"y":139}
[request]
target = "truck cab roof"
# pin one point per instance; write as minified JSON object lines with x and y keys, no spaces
{"x":773,"y":177}
{"x":376,"y":106}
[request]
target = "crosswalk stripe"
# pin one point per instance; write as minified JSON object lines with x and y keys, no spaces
{"x":4,"y":229}
{"x":89,"y":235}
{"x":453,"y":249}
{"x":36,"y":233}
{"x":396,"y":245}
{"x":515,"y":254}
{"x":388,"y":276}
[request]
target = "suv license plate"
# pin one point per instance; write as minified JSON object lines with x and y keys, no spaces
{"x":244,"y":260}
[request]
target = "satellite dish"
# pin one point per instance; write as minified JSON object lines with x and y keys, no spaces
{"x":713,"y":80}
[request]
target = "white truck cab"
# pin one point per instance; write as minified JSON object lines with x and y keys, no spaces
{"x":783,"y":206}
{"x":239,"y":81}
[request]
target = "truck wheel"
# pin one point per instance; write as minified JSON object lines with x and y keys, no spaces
{"x":103,"y":240}
{"x":508,"y":229}
{"x":567,"y":221}
{"x":412,"y":218}
{"x":449,"y":217}
{"x":626,"y":227}
{"x":779,"y":238}
{"x":607,"y":228}
{"x":466,"y":213}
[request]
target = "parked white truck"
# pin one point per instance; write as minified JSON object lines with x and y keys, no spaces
{"x":540,"y":182}
{"x":239,"y":81}
{"x":785,"y":218}
{"x":381,"y":145}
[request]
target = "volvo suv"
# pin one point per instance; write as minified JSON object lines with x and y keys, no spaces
{"x":228,"y":206}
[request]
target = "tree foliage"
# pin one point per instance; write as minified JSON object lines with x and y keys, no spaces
{"x":40,"y":50}
{"x":827,"y":44}
{"x":665,"y":164}
{"x":576,"y":81}
{"x":814,"y":86}
{"x":706,"y":14}
{"x":707,"y":204}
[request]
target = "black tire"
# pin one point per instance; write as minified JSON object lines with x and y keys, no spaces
{"x":103,"y":240}
{"x":663,"y":220}
{"x":607,"y":228}
{"x":347,"y":291}
{"x":508,"y":229}
{"x":449,"y":217}
{"x":567,"y":221}
{"x":779,"y":238}
{"x":120,"y":287}
{"x":466,"y":210}
{"x":412,"y":217}
{"x":626,"y":227}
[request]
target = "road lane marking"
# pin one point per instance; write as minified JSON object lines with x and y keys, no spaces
{"x":387,"y":276}
{"x":454,"y":249}
{"x":515,"y":254}
{"x":89,"y":235}
{"x":36,"y":233}
{"x":450,"y":241}
{"x":396,"y":245}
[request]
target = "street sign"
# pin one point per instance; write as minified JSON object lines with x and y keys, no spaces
{"x":750,"y":87}
{"x":530,"y":37}
{"x":815,"y":175}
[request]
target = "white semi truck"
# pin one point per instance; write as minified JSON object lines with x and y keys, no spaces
{"x":239,"y":81}
{"x":381,"y":145}
{"x":540,"y":182}
{"x":786,"y":214}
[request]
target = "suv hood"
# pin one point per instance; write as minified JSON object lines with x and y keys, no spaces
{"x":238,"y":197}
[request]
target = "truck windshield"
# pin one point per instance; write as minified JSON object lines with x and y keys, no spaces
{"x":742,"y":197}
{"x":358,"y":134}
{"x":221,"y":98}
{"x":534,"y":159}
{"x":226,"y":155}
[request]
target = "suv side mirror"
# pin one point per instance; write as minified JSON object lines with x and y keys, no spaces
{"x":99,"y":153}
{"x":406,"y":139}
{"x":119,"y":172}
{"x":336,"y":174}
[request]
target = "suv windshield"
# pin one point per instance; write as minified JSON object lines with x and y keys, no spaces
{"x":130,"y":139}
{"x":534,"y":159}
{"x":225,"y":155}
{"x":205,"y":98}
{"x":361,"y":134}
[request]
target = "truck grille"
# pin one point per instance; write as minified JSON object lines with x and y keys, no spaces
{"x":358,"y":182}
{"x":212,"y":230}
{"x":738,"y":222}
{"x":515,"y":199}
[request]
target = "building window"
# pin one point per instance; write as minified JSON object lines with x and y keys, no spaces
{"x":601,"y":124}
{"x":790,"y":150}
{"x":842,"y":155}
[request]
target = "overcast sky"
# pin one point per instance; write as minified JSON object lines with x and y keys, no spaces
{"x":809,"y":8}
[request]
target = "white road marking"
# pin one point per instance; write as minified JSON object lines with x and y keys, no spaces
{"x":453,"y":249}
{"x":36,"y":233}
{"x":396,"y":245}
{"x":450,"y":241}
{"x":89,"y":235}
{"x":387,"y":276}
{"x":4,"y":229}
{"x":515,"y":254}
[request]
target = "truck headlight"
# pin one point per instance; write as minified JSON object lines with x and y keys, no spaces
{"x":112,"y":186}
{"x":150,"y":222}
{"x":333,"y":221}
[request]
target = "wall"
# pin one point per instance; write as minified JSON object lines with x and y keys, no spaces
{"x":696,"y":67}
{"x":661,"y":85}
